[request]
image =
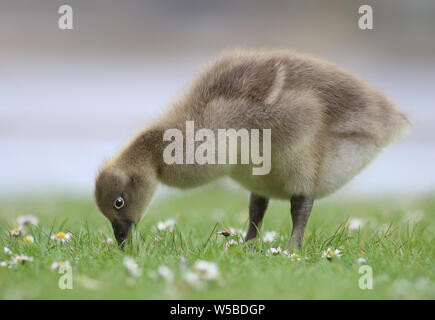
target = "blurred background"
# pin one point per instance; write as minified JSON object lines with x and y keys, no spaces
{"x":70,"y":98}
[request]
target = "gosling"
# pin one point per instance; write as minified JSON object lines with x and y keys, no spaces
{"x":326,"y":125}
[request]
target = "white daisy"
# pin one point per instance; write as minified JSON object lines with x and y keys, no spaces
{"x":227,"y":233}
{"x":292,"y":256}
{"x":165,"y":273}
{"x":55,"y":265}
{"x":3,"y":264}
{"x":29,"y":239}
{"x":6,"y":250}
{"x":167,"y":225}
{"x":329,"y":253}
{"x":192,"y":278}
{"x":132,"y":267}
{"x":269,"y":236}
{"x":27,"y":220}
{"x":61,"y":237}
{"x":240,"y":233}
{"x":20,"y":259}
{"x":355,"y":224}
{"x":207,"y":270}
{"x":108,"y":241}
{"x":274,"y":251}
{"x":362,"y":260}
{"x":16,"y":232}
{"x":230,"y":243}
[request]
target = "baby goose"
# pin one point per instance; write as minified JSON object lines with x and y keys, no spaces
{"x":326,"y":126}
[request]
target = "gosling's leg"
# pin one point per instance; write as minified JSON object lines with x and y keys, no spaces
{"x":300,"y":209}
{"x":257,"y":208}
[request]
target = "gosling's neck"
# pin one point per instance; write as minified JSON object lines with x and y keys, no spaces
{"x":143,"y":153}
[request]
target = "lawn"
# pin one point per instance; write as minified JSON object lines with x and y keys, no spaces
{"x":394,"y":238}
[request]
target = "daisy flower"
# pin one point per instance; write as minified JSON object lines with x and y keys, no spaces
{"x":167,"y":225}
{"x":227,"y":233}
{"x":240,"y":233}
{"x":292,"y":256}
{"x":21,"y":259}
{"x":55,"y":265}
{"x":165,"y":273}
{"x":192,"y":278}
{"x":27,"y":220}
{"x":108,"y":241}
{"x":355,"y":224}
{"x":3,"y":264}
{"x":329,"y":253}
{"x":61,"y":237}
{"x":274,"y":251}
{"x":29,"y":239}
{"x":230,"y":243}
{"x":207,"y":270}
{"x":361,"y":260}
{"x":6,"y":250}
{"x":295,"y":256}
{"x":132,"y":267}
{"x":16,"y":232}
{"x":269,"y":236}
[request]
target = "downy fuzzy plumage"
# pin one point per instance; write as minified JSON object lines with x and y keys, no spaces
{"x":326,"y":124}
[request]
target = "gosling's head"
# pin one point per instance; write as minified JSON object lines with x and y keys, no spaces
{"x":122,"y":197}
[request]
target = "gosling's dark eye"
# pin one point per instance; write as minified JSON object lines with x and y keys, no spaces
{"x":119,"y":203}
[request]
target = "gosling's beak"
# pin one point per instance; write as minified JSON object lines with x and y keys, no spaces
{"x":121,"y":229}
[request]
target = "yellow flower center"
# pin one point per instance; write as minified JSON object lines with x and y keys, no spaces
{"x":331,"y":253}
{"x":27,"y":239}
{"x":15,"y":230}
{"x":60,"y":235}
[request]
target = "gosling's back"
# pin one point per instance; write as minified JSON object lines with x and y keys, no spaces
{"x":327,"y":124}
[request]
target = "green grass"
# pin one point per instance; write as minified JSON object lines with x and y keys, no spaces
{"x":397,"y":248}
